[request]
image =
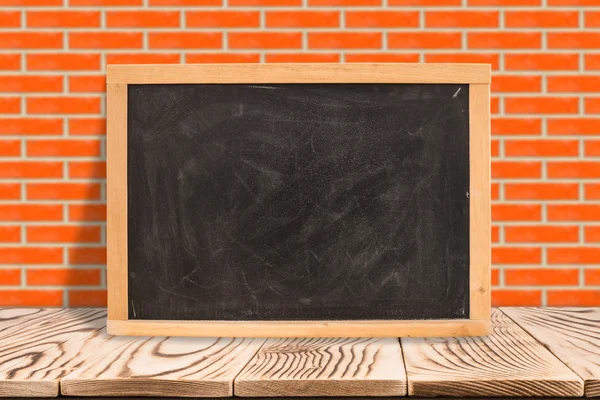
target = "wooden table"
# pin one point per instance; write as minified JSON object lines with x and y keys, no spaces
{"x":531,"y":352}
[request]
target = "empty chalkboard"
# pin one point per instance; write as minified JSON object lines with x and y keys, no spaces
{"x":303,"y":202}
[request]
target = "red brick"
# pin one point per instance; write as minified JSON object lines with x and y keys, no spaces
{"x":335,"y":3}
{"x":516,"y":126}
{"x":105,"y":3}
{"x":592,"y":105}
{"x":573,"y":169}
{"x":142,"y":58}
{"x":424,"y":3}
{"x":63,"y":276}
{"x":541,"y":191}
{"x":344,"y":40}
{"x":31,"y":40}
{"x":382,"y":57}
{"x":87,"y":255}
{"x":63,"y":191}
{"x":573,"y":212}
{"x":541,"y":234}
{"x":487,"y":58}
{"x":495,"y":277}
{"x":10,"y":62}
{"x":10,"y":191}
{"x":31,"y":126}
{"x":221,"y":58}
{"x":513,"y":169}
{"x":424,"y":40}
{"x":63,"y":148}
{"x":541,"y":277}
{"x":541,"y":148}
{"x":592,"y":61}
{"x":87,"y":212}
{"x":63,"y":19}
{"x":573,"y":255}
{"x":574,"y":2}
{"x":185,"y":40}
{"x":495,"y":148}
{"x":516,"y":212}
{"x":495,"y":191}
{"x":31,"y":255}
{"x":301,"y":19}
{"x":302,"y":57}
{"x":592,"y":191}
{"x":382,"y":19}
{"x":186,"y":3}
{"x":592,"y":277}
{"x":592,"y":148}
{"x":592,"y":19}
{"x":461,"y":19}
{"x":30,"y":169}
{"x":87,"y":126}
{"x":573,"y":83}
{"x":106,"y":40}
{"x":87,"y":169}
{"x":87,"y":298}
{"x":541,"y":62}
{"x":592,"y":234}
{"x":516,"y":83}
{"x":10,"y":105}
{"x":31,"y":298}
{"x":31,"y":212}
{"x":87,"y":84}
{"x":222,"y":19}
{"x":63,"y":234}
{"x":521,"y":298}
{"x":10,"y":19}
{"x":10,"y":148}
{"x":541,"y":105}
{"x":10,"y":234}
{"x":10,"y":277}
{"x":64,"y":61}
{"x":573,"y":40}
{"x":495,"y":234}
{"x":63,"y":105}
{"x":574,"y":298}
{"x":31,"y":83}
{"x":143,"y":19}
{"x":574,"y":126}
{"x":516,"y":255}
{"x":31,"y":3}
{"x":541,"y":19}
{"x":504,"y":40}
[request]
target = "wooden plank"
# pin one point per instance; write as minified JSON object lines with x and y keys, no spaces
{"x":300,"y":73}
{"x":325,"y":367}
{"x":27,"y":346}
{"x":299,"y":329}
{"x":41,"y":374}
{"x":116,"y":200}
{"x":15,"y":319}
{"x":479,"y":195}
{"x":571,"y":334}
{"x":165,"y":366}
{"x":509,"y":362}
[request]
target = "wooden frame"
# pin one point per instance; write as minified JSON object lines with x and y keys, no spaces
{"x":476,"y":75}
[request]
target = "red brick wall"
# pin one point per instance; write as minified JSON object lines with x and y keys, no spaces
{"x":545,"y":56}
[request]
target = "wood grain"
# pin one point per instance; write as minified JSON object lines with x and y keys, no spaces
{"x":116,"y":200}
{"x":480,"y":206}
{"x":32,"y":348}
{"x":571,"y":334}
{"x":298,"y":329}
{"x":509,"y":362}
{"x":300,"y":73}
{"x":325,"y":367}
{"x":15,"y":319}
{"x":165,"y":366}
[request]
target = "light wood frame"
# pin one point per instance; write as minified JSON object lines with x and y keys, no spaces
{"x":478,"y":78}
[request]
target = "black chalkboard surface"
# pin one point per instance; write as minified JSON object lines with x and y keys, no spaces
{"x":294,"y":202}
{"x":298,"y":202}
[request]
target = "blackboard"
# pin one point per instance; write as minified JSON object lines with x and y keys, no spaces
{"x":298,"y":201}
